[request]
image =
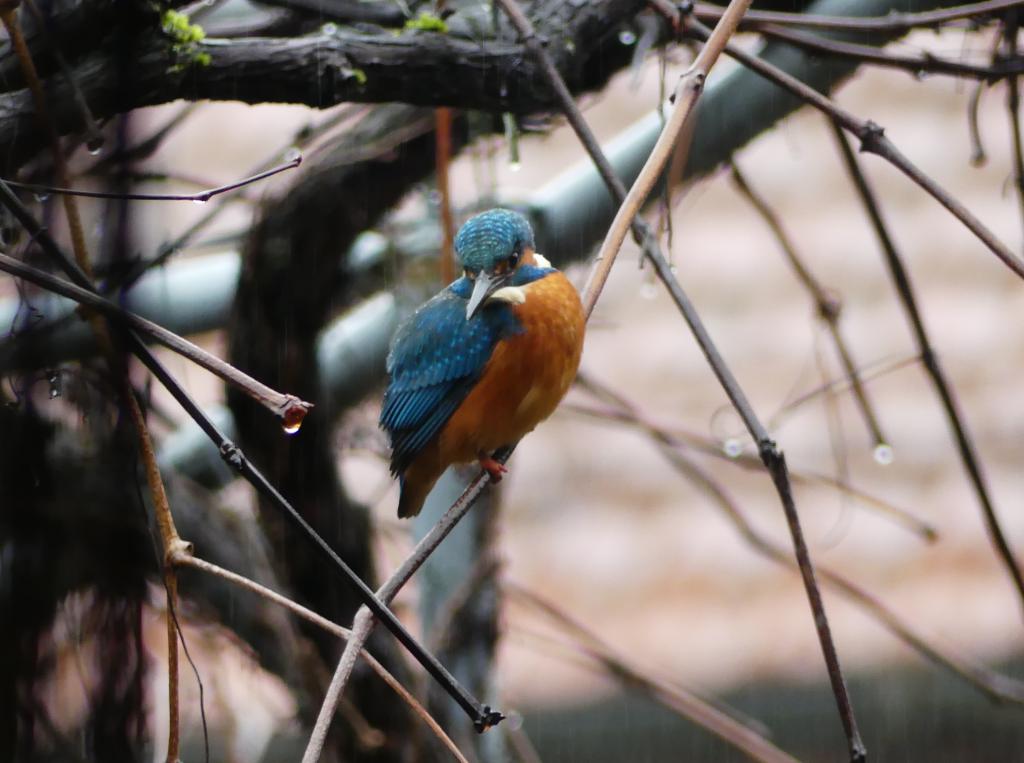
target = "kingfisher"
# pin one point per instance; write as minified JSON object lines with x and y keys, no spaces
{"x":484,"y":361}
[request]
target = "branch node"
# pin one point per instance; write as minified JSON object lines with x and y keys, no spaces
{"x":177,"y":551}
{"x":487,"y":719}
{"x":232,"y":455}
{"x":871,"y":135}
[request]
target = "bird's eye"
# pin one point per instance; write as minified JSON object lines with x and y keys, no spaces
{"x":514,"y":259}
{"x":471,"y":275}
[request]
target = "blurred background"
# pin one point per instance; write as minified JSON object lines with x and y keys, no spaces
{"x":636,"y":549}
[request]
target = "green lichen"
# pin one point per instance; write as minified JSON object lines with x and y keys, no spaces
{"x":185,"y":38}
{"x":427,"y":22}
{"x":360,"y":76}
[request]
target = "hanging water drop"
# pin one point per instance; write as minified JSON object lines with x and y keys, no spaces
{"x":732,"y":447}
{"x":883,"y":454}
{"x":291,"y":427}
{"x":515,"y":165}
{"x":54,"y":381}
{"x":627,"y":36}
{"x":199,"y":201}
{"x":293,"y":154}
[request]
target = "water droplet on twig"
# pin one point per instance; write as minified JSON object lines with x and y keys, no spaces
{"x":883,"y":454}
{"x":732,"y":447}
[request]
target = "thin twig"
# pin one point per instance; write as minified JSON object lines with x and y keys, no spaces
{"x":693,"y":441}
{"x":891,"y":22}
{"x":200,"y":197}
{"x":443,"y":142}
{"x":994,"y":685}
{"x":685,"y":96}
{"x":672,"y":696}
{"x":289,"y":408}
{"x":184,"y":558}
{"x":94,"y":137}
{"x":827,"y":303}
{"x":965,"y":446}
{"x":873,"y":140}
{"x":1013,"y":106}
{"x":978,"y":157}
{"x":921,"y":64}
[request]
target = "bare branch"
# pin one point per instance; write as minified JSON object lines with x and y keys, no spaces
{"x":965,"y":446}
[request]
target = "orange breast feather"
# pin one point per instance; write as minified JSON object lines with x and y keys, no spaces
{"x":525,"y":378}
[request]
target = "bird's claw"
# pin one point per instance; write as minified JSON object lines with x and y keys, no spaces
{"x":493,"y":468}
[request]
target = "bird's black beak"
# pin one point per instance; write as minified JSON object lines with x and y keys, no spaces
{"x":485,"y":285}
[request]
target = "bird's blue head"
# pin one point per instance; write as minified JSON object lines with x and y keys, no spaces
{"x":490,"y":246}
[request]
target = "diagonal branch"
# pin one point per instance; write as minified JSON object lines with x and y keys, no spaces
{"x":930,"y":360}
{"x":685,"y":96}
{"x":893,"y":22}
{"x":828,"y":305}
{"x":873,"y":140}
{"x":290,"y":409}
{"x":184,"y":558}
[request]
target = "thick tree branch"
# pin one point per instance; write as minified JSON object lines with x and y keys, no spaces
{"x":460,"y":69}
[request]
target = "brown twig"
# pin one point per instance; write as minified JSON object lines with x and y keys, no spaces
{"x":965,"y":446}
{"x":873,"y":140}
{"x":978,"y":157}
{"x":891,"y":22}
{"x":1013,"y":106}
{"x":921,"y":64}
{"x":443,"y":136}
{"x":624,"y":411}
{"x":183,"y":558}
{"x":290,"y":409}
{"x":200,"y":197}
{"x":997,"y":687}
{"x":672,"y":696}
{"x":94,"y":137}
{"x":827,"y":303}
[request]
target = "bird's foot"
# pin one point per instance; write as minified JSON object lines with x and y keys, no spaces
{"x":494,"y":468}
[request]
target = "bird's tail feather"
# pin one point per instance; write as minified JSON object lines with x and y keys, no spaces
{"x":412,"y":494}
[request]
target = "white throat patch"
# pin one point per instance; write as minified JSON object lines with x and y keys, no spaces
{"x":541,"y":261}
{"x":512,"y":294}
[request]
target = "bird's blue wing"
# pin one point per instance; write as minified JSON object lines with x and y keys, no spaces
{"x":436,"y":358}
